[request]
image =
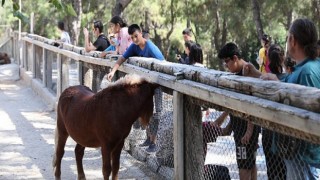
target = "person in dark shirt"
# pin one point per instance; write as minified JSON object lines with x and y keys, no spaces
{"x":187,"y":37}
{"x":101,"y":42}
{"x":244,"y":132}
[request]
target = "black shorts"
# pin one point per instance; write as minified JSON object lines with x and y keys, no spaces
{"x":246,"y":154}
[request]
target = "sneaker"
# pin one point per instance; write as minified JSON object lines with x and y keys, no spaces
{"x":152,"y":148}
{"x":147,"y":142}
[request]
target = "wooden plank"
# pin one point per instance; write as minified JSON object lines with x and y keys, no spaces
{"x":193,"y":138}
{"x":178,"y":135}
{"x":241,"y":94}
{"x":308,"y":122}
{"x":45,"y":66}
{"x":33,"y":61}
{"x":80,"y":72}
{"x":65,"y":72}
{"x":59,"y":76}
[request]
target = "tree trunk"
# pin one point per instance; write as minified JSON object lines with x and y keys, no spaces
{"x":316,"y":13}
{"x":119,"y":7}
{"x":289,"y":19}
{"x":257,"y":19}
{"x":74,"y":23}
{"x":147,"y":21}
{"x":167,"y":40}
{"x":215,"y":42}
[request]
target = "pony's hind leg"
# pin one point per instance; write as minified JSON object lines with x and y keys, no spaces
{"x":106,"y":161}
{"x":79,"y":152}
{"x":61,"y":137}
{"x":116,"y":160}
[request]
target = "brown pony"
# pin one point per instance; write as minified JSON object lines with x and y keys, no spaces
{"x":101,"y":120}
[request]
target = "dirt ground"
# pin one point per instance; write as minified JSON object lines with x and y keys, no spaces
{"x":27,"y":141}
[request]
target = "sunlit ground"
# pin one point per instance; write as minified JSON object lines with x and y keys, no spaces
{"x":27,"y":141}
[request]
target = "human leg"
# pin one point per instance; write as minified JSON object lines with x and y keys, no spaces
{"x":154,"y":122}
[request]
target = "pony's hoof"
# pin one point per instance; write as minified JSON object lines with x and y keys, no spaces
{"x":81,"y":177}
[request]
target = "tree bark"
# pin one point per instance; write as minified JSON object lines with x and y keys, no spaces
{"x":316,"y":13}
{"x":257,"y":19}
{"x":119,"y":7}
{"x":74,"y":23}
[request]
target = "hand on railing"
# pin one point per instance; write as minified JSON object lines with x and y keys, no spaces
{"x":250,"y":71}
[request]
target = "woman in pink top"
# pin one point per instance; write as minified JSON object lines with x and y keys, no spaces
{"x":120,"y":28}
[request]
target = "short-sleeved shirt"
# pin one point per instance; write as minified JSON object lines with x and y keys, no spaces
{"x":110,"y":48}
{"x":150,"y":50}
{"x":101,"y":43}
{"x":65,"y":37}
{"x":265,"y":61}
{"x":124,"y":40}
{"x":307,"y":73}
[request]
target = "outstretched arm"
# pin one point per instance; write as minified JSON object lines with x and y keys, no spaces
{"x":116,"y":67}
{"x":220,"y":119}
{"x":247,"y":136}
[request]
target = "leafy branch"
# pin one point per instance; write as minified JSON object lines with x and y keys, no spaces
{"x":56,"y":3}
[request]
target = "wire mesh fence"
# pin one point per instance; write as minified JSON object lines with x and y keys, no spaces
{"x":220,"y":143}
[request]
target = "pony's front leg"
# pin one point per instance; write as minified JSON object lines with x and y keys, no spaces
{"x":106,"y":161}
{"x":116,"y":160}
{"x":79,"y":152}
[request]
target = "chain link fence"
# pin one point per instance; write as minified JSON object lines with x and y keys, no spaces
{"x":227,"y":144}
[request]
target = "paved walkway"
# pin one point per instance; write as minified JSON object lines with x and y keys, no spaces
{"x":27,"y":141}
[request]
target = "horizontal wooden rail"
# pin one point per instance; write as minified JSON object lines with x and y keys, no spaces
{"x":286,"y":104}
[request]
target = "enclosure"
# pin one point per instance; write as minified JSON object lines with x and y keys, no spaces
{"x":192,"y":97}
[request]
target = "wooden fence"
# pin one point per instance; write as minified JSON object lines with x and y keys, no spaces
{"x":286,"y":108}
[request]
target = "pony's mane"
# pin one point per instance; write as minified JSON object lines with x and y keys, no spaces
{"x":129,"y":79}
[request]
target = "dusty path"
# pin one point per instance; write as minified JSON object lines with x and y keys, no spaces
{"x":27,"y":141}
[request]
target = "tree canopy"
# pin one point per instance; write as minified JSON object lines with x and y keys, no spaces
{"x":214,"y":22}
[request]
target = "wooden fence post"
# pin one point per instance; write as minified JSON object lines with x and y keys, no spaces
{"x":33,"y":61}
{"x":44,"y":63}
{"x":178,"y":124}
{"x":194,"y":160}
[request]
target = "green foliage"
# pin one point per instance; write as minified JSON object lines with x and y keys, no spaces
{"x":167,"y":19}
{"x":67,"y":8}
{"x":21,"y":16}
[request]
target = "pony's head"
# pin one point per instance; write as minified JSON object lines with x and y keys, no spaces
{"x":143,"y":90}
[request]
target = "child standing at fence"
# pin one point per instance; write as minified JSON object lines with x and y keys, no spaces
{"x":64,"y":35}
{"x":143,"y":48}
{"x":276,"y":168}
{"x":101,"y":42}
{"x":302,"y":48}
{"x":245,"y":133}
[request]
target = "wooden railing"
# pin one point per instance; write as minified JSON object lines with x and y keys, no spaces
{"x":286,"y":108}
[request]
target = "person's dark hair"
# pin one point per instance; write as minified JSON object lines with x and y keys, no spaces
{"x":196,"y":54}
{"x":289,"y":63}
{"x":118,"y":20}
{"x":187,"y":31}
{"x":266,"y":38}
{"x":305,"y":33}
{"x":98,"y":25}
{"x":188,"y":44}
{"x":228,"y":51}
{"x":133,"y":28}
{"x":61,"y":25}
{"x":276,"y":57}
